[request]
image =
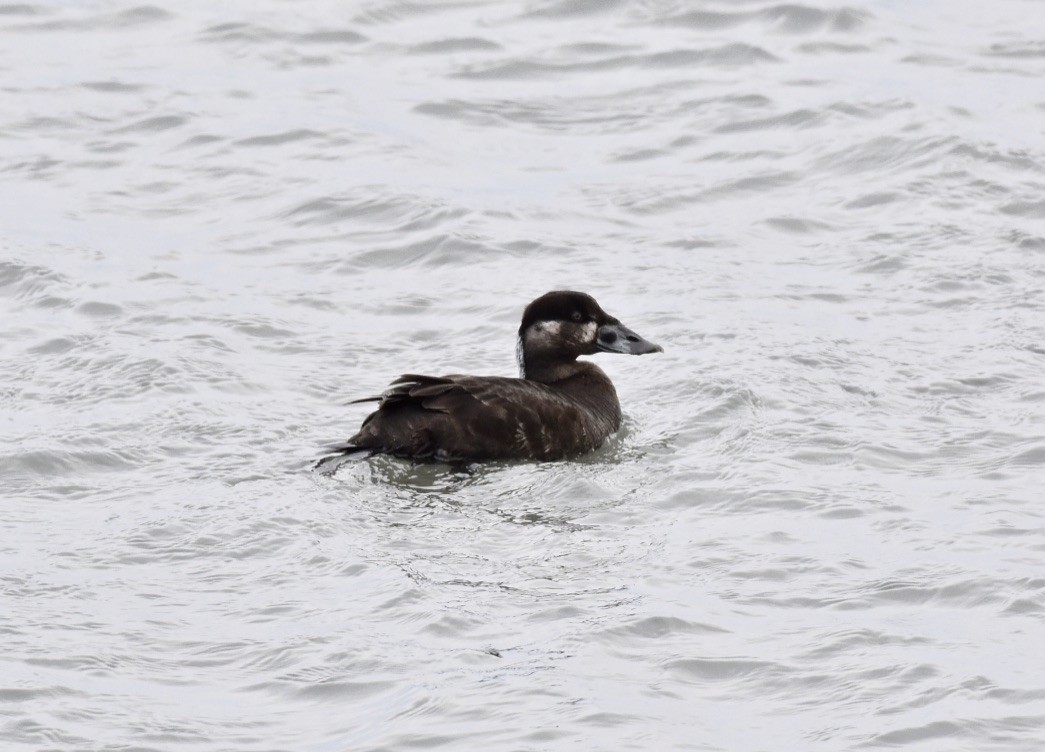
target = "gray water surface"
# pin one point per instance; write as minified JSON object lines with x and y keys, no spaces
{"x":821,"y":526}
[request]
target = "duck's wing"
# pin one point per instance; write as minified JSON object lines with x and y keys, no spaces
{"x":412,"y":387}
{"x":454,"y":418}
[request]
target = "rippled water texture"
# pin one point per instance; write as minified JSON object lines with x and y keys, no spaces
{"x":821,"y":526}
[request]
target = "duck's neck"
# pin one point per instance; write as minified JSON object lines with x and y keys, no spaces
{"x":536,"y":365}
{"x":549,"y":373}
{"x":589,"y":386}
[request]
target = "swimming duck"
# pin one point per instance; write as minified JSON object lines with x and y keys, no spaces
{"x":558,"y":407}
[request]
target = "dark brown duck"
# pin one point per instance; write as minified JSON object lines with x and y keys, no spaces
{"x":559,"y":407}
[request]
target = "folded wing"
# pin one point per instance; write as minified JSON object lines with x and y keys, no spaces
{"x":459,"y":418}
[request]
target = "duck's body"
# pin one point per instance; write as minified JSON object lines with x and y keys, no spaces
{"x":559,"y":407}
{"x":456,"y":418}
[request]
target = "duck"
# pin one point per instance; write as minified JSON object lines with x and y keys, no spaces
{"x":557,"y":408}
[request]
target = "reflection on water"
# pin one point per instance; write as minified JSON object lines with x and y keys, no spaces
{"x":819,"y":526}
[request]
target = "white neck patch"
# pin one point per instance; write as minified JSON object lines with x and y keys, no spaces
{"x":538,"y":331}
{"x":520,"y":358}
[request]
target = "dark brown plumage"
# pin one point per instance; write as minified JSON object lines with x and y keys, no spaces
{"x":559,"y":407}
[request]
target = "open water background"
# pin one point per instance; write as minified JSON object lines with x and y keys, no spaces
{"x":822,"y":526}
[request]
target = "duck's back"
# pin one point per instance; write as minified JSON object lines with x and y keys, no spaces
{"x":460,"y":418}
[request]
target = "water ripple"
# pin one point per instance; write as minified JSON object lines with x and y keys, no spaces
{"x":819,"y":526}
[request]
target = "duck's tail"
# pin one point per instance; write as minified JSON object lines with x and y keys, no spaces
{"x":338,"y":455}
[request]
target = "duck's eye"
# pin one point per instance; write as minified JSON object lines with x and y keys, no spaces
{"x":577,"y":316}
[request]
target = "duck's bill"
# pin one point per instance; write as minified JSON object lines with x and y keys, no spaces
{"x":617,"y":338}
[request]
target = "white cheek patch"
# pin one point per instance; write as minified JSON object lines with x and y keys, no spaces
{"x":543,"y":332}
{"x":588,"y":331}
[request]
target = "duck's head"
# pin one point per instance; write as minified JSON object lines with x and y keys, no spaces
{"x":560,"y":325}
